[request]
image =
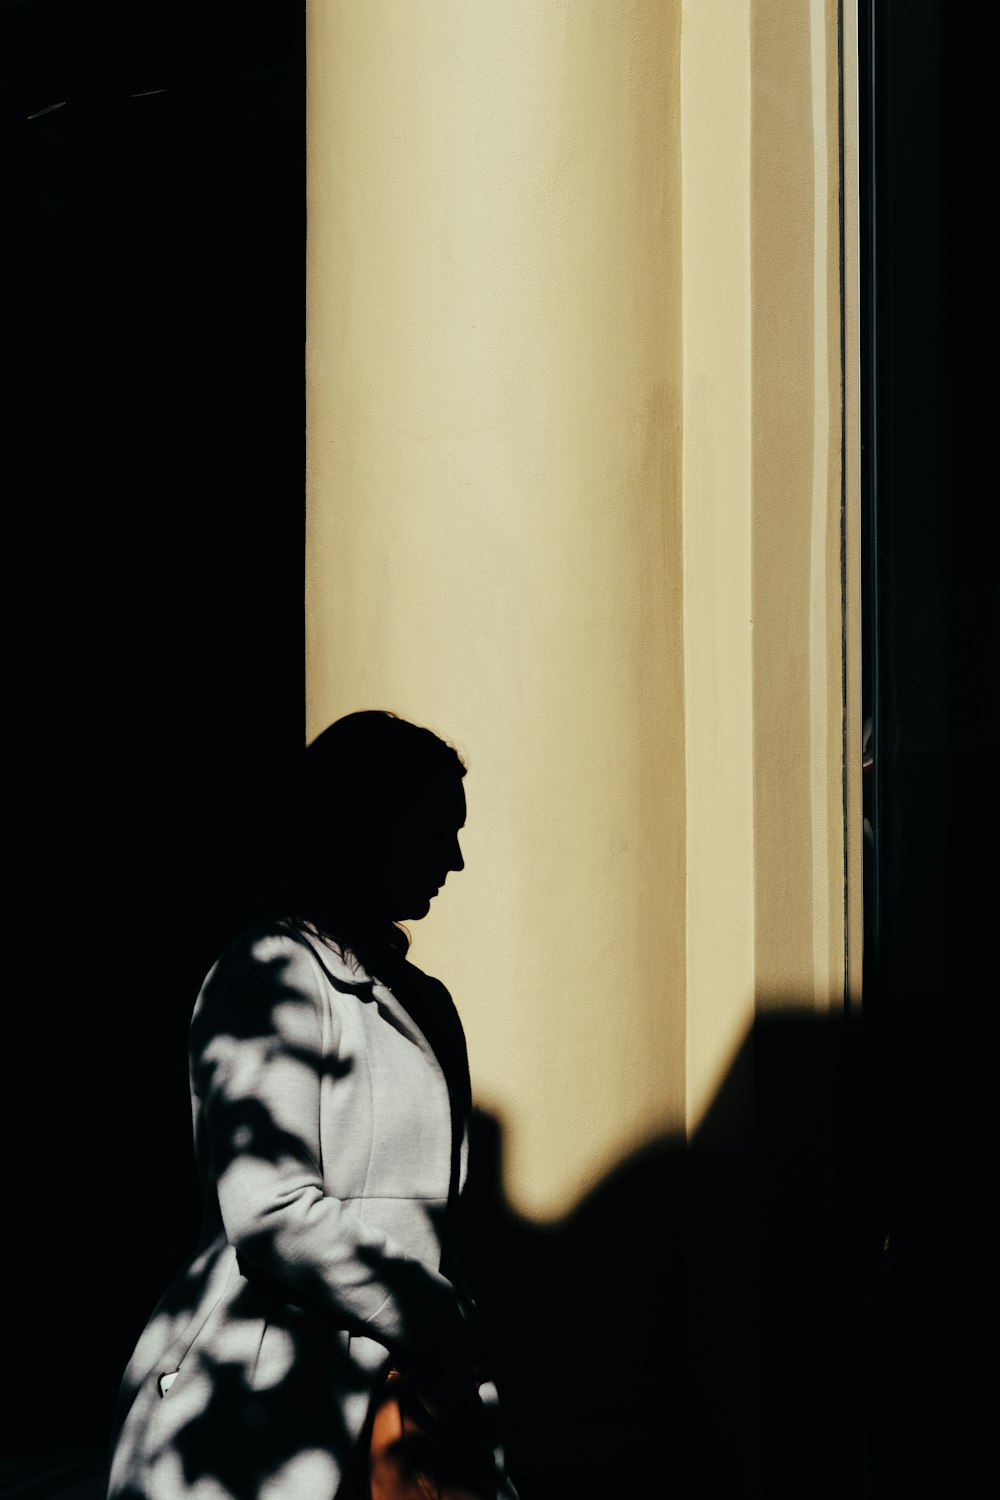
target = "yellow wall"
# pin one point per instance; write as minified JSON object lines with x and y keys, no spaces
{"x":795,"y":549}
{"x":764,"y":611}
{"x":573,"y":501}
{"x":718,"y":668}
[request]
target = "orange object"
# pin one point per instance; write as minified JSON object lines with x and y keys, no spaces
{"x":423,"y":1449}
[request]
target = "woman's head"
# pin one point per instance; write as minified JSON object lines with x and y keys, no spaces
{"x":383,"y":806}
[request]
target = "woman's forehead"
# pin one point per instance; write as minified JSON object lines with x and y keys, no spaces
{"x":439,"y":801}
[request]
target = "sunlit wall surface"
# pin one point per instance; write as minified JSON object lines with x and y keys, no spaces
{"x":574,"y":501}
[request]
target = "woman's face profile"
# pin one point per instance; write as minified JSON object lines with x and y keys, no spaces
{"x":421,"y":850}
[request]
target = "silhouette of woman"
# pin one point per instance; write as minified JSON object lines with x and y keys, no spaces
{"x":330,"y":1096}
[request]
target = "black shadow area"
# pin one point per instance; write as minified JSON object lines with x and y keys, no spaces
{"x":154,"y":528}
{"x":705,"y":1321}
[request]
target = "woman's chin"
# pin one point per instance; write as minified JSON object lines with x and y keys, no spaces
{"x":414,"y":909}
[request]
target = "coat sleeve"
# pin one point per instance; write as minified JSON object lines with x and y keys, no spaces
{"x":257,"y":1057}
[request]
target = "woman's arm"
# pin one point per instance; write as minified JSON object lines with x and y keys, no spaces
{"x":257,"y":1061}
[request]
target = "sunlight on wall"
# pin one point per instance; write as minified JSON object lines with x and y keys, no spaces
{"x":764,"y":608}
{"x":715,"y":56}
{"x":493,"y":522}
{"x":543,"y":243}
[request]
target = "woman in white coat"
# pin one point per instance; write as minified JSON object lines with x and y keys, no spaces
{"x":330,"y":1098}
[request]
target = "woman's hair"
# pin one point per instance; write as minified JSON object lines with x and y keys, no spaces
{"x":377,"y":757}
{"x":359,"y":775}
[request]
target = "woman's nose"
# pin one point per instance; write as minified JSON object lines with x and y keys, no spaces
{"x":455,"y":860}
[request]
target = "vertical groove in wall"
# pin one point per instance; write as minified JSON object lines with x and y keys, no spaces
{"x":820,"y":645}
{"x":715,"y":214}
{"x":844,"y":644}
{"x":853,"y":830}
{"x":797,"y":530}
{"x":783,"y":456}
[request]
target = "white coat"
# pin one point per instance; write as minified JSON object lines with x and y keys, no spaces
{"x":324,"y":1139}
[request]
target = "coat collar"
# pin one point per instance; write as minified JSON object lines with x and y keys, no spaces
{"x":347,"y":971}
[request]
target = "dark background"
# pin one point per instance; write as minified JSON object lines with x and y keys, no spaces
{"x":154,"y":566}
{"x":155,"y":688}
{"x":930,"y":665}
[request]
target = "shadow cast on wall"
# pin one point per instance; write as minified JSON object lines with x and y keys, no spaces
{"x":701,"y":1324}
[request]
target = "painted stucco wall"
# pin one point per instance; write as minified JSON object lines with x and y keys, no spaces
{"x":574,"y":502}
